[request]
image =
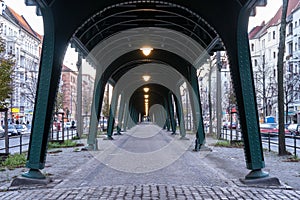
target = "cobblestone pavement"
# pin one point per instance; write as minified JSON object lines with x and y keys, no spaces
{"x":152,"y":192}
{"x":124,"y":169}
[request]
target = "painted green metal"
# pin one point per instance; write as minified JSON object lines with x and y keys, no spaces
{"x":110,"y":124}
{"x":196,"y":109}
{"x":57,"y":34}
{"x":126,"y":113}
{"x":244,"y":87}
{"x":121,"y":113}
{"x":45,"y":98}
{"x":79,"y":127}
{"x":95,"y":112}
{"x":257,"y":173}
{"x":179,"y":110}
{"x":171,"y":113}
{"x":112,"y":113}
{"x":34,"y":173}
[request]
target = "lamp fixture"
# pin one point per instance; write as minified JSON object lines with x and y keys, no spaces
{"x":146,"y":89}
{"x":146,"y":96}
{"x":146,"y":77}
{"x":146,"y":50}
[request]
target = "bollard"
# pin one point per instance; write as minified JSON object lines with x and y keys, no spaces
{"x":21,"y":144}
{"x":269,"y":141}
{"x":295,"y":145}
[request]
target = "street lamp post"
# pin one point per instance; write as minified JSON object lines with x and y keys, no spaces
{"x":60,"y":111}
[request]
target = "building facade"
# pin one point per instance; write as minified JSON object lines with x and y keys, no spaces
{"x":24,"y":45}
{"x":264,"y":42}
{"x":69,"y":92}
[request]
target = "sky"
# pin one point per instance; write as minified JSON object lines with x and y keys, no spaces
{"x":36,"y":22}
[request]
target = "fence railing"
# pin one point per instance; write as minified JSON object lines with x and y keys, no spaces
{"x":15,"y":144}
{"x":292,"y":142}
{"x":20,"y":143}
{"x":65,"y":134}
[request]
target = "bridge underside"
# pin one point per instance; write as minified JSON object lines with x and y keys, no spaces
{"x":109,"y":35}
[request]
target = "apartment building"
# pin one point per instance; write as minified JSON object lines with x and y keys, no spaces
{"x":264,"y":42}
{"x":24,"y":45}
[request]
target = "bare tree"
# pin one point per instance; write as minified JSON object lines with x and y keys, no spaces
{"x":105,"y":105}
{"x":30,"y":84}
{"x":291,"y":87}
{"x":263,"y":88}
{"x":281,"y":146}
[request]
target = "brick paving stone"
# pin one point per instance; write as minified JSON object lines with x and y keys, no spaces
{"x":81,"y":186}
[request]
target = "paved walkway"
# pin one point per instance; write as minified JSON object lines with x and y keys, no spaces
{"x":148,"y":163}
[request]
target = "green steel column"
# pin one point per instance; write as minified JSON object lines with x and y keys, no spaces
{"x":196,"y":109}
{"x":112,"y":112}
{"x":136,"y":117}
{"x":179,"y":110}
{"x":244,"y":88}
{"x":166,"y":106}
{"x":120,"y":114}
{"x":49,"y":76}
{"x":126,"y":112}
{"x":130,"y":116}
{"x":79,"y":97}
{"x":110,"y":124}
{"x":171,"y":113}
{"x":95,"y":112}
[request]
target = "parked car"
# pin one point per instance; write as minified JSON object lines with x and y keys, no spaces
{"x":267,"y":129}
{"x":28,"y":127}
{"x":232,"y":125}
{"x":11,"y":130}
{"x":294,"y":129}
{"x":67,"y":125}
{"x":2,"y":132}
{"x":103,"y":124}
{"x":225,"y":125}
{"x":21,"y":129}
{"x":286,"y":131}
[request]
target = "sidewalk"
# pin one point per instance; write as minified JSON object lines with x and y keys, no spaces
{"x":208,"y":174}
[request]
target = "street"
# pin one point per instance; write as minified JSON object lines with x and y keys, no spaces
{"x":290,"y":141}
{"x":15,"y":142}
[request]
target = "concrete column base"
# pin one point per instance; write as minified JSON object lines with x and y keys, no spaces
{"x":265,"y":181}
{"x":24,"y":181}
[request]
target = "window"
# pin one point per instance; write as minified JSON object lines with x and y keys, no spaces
{"x":290,"y":29}
{"x":274,"y":35}
{"x":255,"y":62}
{"x":10,"y":51}
{"x":274,"y":54}
{"x":290,"y":45}
{"x":295,"y":23}
{"x":263,"y":43}
{"x":269,"y":36}
{"x":252,"y":47}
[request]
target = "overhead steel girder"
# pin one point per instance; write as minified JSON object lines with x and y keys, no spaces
{"x":228,"y":18}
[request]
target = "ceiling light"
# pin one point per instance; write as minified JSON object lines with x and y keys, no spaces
{"x":146,"y":89}
{"x":146,"y":96}
{"x":146,"y":77}
{"x":146,"y":50}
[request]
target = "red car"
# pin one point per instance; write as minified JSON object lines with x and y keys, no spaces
{"x":267,"y":129}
